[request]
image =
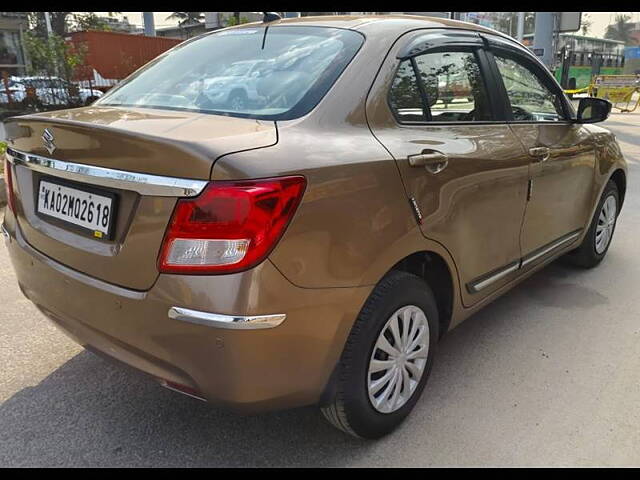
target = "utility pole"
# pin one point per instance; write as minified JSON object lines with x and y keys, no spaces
{"x":521,"y":26}
{"x":543,"y":37}
{"x":149,"y":24}
{"x":47,"y":20}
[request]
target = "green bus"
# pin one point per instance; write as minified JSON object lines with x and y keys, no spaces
{"x":581,"y":69}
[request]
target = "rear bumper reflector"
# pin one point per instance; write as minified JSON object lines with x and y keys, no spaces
{"x":235,"y":322}
{"x":176,"y":387}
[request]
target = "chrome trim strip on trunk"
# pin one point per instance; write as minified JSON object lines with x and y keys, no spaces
{"x":478,"y":285}
{"x":235,"y":322}
{"x":144,"y":184}
{"x":536,"y":254}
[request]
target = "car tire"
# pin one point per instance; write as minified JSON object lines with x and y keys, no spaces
{"x":592,"y":250}
{"x":238,"y":100}
{"x":350,"y":407}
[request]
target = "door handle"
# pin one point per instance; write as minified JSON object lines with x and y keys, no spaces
{"x":433,"y":162}
{"x":541,"y":153}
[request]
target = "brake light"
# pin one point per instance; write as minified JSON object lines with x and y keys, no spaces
{"x":8,"y":178}
{"x":231,"y":226}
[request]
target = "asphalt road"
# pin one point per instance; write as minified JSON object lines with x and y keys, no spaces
{"x":547,"y":375}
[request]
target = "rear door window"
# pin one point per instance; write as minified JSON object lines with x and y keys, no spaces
{"x":440,"y":87}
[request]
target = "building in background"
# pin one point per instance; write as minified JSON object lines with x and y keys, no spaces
{"x":120,"y":25}
{"x":212,"y":21}
{"x":12,"y":54}
{"x":631,"y":61}
{"x":182,"y":32}
{"x":635,"y":33}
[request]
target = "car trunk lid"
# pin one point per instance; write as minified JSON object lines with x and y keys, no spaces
{"x":137,"y":149}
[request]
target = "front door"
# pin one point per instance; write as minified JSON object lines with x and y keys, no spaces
{"x":562,"y":157}
{"x":463,"y":168}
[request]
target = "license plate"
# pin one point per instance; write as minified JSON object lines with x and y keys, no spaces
{"x":87,"y":210}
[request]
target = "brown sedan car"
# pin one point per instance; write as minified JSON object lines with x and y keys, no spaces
{"x":293,"y":213}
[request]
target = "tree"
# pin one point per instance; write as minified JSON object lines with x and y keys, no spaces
{"x":621,"y":30}
{"x":585,"y":24}
{"x":231,"y":21}
{"x":38,"y":24}
{"x":62,"y":22}
{"x":89,"y":21}
{"x":186,"y":18}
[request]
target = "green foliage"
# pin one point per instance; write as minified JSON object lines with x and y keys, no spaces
{"x":585,"y":24}
{"x":62,"y":22}
{"x":186,"y":18}
{"x":89,"y":21}
{"x":621,"y":30}
{"x":3,"y":148}
{"x":52,"y":56}
{"x":38,"y":25}
{"x":231,"y":21}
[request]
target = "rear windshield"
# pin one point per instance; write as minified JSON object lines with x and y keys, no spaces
{"x":270,"y":73}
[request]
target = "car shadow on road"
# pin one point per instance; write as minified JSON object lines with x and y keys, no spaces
{"x":90,"y":412}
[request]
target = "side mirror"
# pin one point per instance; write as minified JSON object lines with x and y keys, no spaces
{"x":593,"y":110}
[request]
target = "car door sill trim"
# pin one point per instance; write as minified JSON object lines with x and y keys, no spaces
{"x":485,"y":280}
{"x":548,"y":248}
{"x":492,"y":277}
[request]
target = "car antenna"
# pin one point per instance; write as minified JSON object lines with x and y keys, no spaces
{"x":271,"y":17}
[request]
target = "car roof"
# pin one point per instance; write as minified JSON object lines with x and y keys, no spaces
{"x":370,"y":24}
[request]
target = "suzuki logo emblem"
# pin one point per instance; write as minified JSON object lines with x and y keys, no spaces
{"x":47,"y":138}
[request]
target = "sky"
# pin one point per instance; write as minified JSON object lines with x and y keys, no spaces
{"x":600,"y":20}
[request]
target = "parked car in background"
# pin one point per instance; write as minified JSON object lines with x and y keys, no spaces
{"x":48,"y":91}
{"x":313,"y":246}
{"x":235,"y":85}
{"x":16,"y":91}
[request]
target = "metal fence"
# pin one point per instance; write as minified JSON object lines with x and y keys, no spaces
{"x":45,"y":92}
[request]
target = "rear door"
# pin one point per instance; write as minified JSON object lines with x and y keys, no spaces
{"x":562,"y":153}
{"x":435,"y":108}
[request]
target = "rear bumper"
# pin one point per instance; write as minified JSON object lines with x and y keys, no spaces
{"x":246,"y":369}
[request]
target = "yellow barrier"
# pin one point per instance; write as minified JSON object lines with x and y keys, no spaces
{"x":616,"y":89}
{"x":579,"y":90}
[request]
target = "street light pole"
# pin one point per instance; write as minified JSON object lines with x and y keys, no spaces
{"x":47,"y":20}
{"x":521,"y":26}
{"x":149,"y":24}
{"x":543,"y":38}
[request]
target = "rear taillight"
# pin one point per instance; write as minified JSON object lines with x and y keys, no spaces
{"x":8,"y":178}
{"x":231,"y":226}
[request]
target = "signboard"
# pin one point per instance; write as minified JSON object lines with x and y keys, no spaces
{"x":570,"y":21}
{"x":616,"y":88}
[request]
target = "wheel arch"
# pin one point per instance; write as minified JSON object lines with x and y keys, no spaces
{"x":433,"y":269}
{"x":619,"y":177}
